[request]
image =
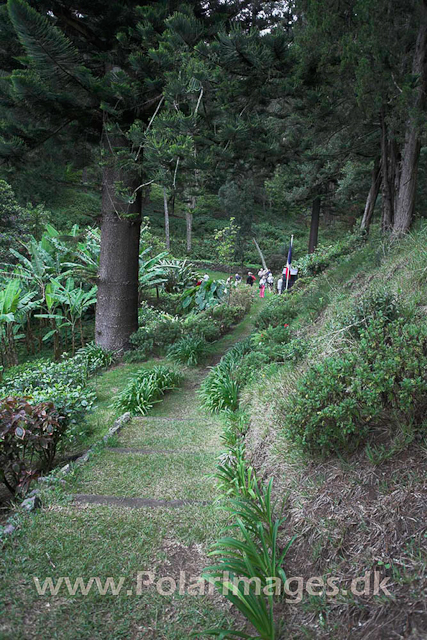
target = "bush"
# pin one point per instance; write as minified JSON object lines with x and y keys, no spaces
{"x":381,"y":304}
{"x":178,"y":274}
{"x":242,"y":296}
{"x":157,"y":334}
{"x":146,"y":388}
{"x":202,"y":325}
{"x":382,"y":383}
{"x":314,"y":263}
{"x":63,"y":383}
{"x":189,"y":350}
{"x":227,"y":314}
{"x":29,"y":435}
{"x":279,"y":310}
{"x":295,"y":350}
{"x":96,"y":357}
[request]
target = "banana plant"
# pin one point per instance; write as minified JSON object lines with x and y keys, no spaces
{"x":151,"y":272}
{"x":14,"y":310}
{"x":9,"y":298}
{"x":75,"y":301}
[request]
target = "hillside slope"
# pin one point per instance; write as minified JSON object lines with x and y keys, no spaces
{"x":357,"y":510}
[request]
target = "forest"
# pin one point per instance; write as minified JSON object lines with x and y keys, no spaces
{"x":213,"y":331}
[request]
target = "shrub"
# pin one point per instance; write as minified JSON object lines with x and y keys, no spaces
{"x":339,"y":401}
{"x":202,"y":325}
{"x":146,"y":388}
{"x":157,"y":334}
{"x":29,"y":435}
{"x":381,"y":304}
{"x":178,"y":274}
{"x":63,"y":383}
{"x":242,"y":296}
{"x":208,"y":294}
{"x":147,"y":314}
{"x":272,"y":335}
{"x":138,"y":355}
{"x":314,"y":263}
{"x":227,"y":314}
{"x":189,"y":350}
{"x":279,"y":310}
{"x":295,"y":350}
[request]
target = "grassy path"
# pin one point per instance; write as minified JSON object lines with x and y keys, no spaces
{"x":145,"y":504}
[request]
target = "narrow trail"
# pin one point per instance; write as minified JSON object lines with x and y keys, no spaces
{"x":145,"y":504}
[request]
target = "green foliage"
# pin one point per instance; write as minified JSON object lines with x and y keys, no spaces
{"x":225,"y":240}
{"x":178,"y":274}
{"x":29,"y":435}
{"x":324,"y":256}
{"x":62,"y":383}
{"x":157,"y":333}
{"x":380,"y":383}
{"x":189,"y":350}
{"x":227,"y":314}
{"x":96,"y":357}
{"x":203,"y":325}
{"x":14,"y":221}
{"x":379,"y":304}
{"x":278,"y":310}
{"x":146,"y":388}
{"x":295,"y":350}
{"x":249,"y":556}
{"x":208,"y":294}
{"x":220,"y":389}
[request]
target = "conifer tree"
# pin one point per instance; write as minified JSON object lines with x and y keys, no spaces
{"x":98,"y":66}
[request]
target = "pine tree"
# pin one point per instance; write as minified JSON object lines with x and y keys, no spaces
{"x":96,"y":66}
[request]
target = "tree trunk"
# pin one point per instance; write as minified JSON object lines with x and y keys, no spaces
{"x":117,"y":300}
{"x":314,"y":227}
{"x":386,"y":182}
{"x":167,"y":232}
{"x":189,"y":221}
{"x":372,"y":196}
{"x":405,"y":205}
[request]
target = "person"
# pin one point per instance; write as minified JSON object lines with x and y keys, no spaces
{"x":262,"y":284}
{"x":237,"y":279}
{"x":280,"y":285}
{"x":270,"y":281}
{"x":229,"y":280}
{"x":205,"y":277}
{"x":250,"y":279}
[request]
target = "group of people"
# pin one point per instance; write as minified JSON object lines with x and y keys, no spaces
{"x":266,"y":280}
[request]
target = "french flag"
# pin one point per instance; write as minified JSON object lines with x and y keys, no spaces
{"x":286,"y":270}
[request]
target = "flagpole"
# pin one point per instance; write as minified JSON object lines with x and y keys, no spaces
{"x":288,"y":265}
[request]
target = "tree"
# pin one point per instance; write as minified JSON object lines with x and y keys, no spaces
{"x":98,"y":66}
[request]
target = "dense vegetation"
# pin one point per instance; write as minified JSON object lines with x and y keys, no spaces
{"x":151,"y":151}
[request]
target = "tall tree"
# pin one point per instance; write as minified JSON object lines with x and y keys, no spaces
{"x":94,"y":64}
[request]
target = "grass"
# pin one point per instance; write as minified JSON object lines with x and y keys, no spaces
{"x":65,"y":541}
{"x":188,"y":435}
{"x":159,"y":476}
{"x":74,"y":540}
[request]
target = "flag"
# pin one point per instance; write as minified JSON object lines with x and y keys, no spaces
{"x":287,"y":269}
